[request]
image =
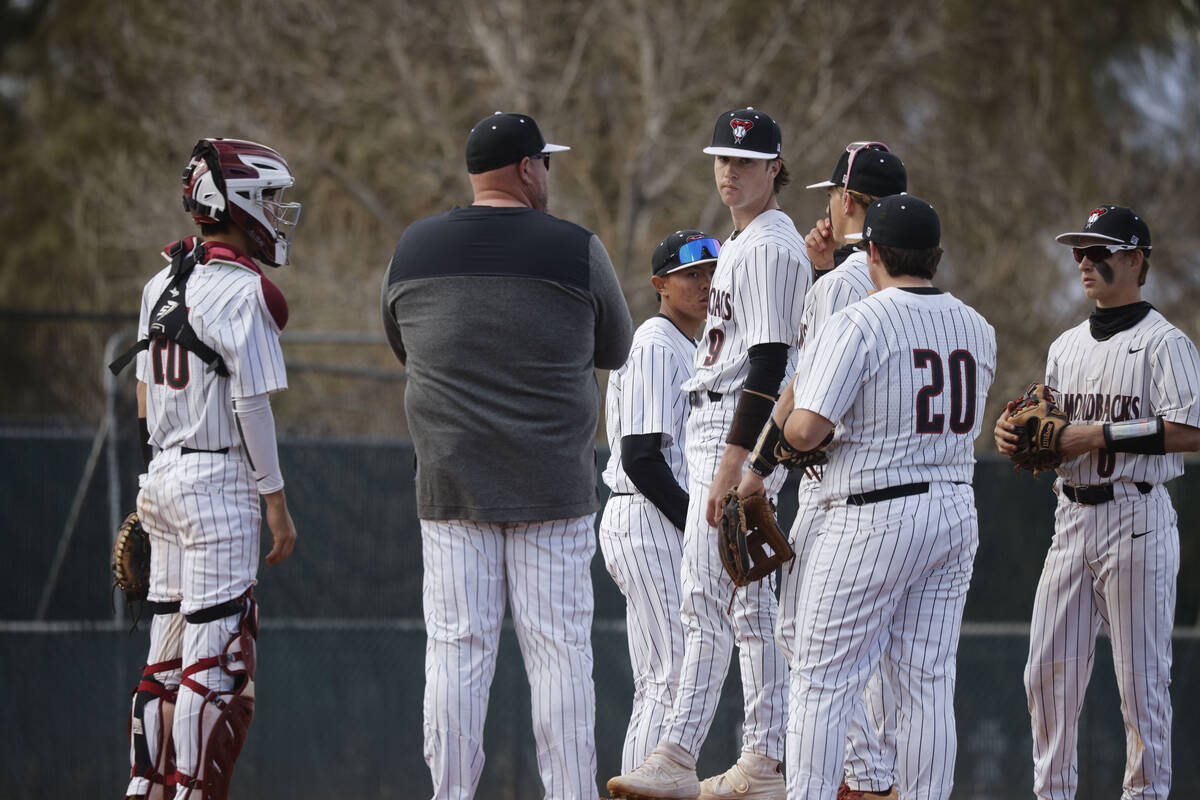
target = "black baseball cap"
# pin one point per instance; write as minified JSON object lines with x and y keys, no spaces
{"x":683,"y":249}
{"x":746,"y":133}
{"x":877,"y":173}
{"x":505,"y":138}
{"x":901,"y":220}
{"x":1111,"y":225}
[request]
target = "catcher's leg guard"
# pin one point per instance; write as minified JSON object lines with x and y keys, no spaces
{"x":152,"y":710}
{"x":225,"y":715}
{"x":151,"y":750}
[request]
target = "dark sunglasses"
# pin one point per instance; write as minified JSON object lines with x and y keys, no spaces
{"x":545,"y":159}
{"x":1097,"y":253}
{"x":698,"y":250}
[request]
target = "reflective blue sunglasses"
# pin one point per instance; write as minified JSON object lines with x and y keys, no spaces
{"x":699,"y":250}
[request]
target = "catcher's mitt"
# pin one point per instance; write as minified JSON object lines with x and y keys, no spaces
{"x":131,"y":563}
{"x":750,"y":542}
{"x":1040,"y":424}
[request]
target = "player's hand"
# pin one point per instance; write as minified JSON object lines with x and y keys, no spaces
{"x":733,"y":461}
{"x":820,"y":245}
{"x":1005,"y":433}
{"x":752,"y":483}
{"x":283,"y":530}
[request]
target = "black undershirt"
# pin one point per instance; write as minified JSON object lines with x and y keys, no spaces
{"x":1104,"y":322}
{"x":839,"y":255}
{"x":643,"y":461}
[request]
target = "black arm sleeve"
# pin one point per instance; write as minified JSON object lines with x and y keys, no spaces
{"x":144,"y":442}
{"x":642,"y":459}
{"x":768,"y":363}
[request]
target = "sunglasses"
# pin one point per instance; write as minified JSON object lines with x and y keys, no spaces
{"x":545,"y":159}
{"x":698,"y":250}
{"x":1098,"y":253}
{"x":854,"y":148}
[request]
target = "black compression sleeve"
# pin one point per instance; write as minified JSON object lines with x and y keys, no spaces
{"x":768,"y":362}
{"x":643,"y":461}
{"x":144,"y":440}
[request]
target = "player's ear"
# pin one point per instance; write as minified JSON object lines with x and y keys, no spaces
{"x":659,"y":282}
{"x":847,"y":201}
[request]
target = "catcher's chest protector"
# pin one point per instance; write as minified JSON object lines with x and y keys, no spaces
{"x":169,"y":317}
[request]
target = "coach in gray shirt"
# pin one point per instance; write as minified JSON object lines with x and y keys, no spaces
{"x":500,"y":314}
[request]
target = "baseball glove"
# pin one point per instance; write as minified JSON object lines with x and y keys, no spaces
{"x":1040,"y":423}
{"x":131,"y":563}
{"x":811,"y":461}
{"x":750,"y":542}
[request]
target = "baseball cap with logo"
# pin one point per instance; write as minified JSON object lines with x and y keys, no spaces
{"x":1112,"y":225}
{"x":746,"y":133}
{"x":877,"y":172}
{"x":682,"y":250}
{"x":903,"y":221}
{"x":505,"y":138}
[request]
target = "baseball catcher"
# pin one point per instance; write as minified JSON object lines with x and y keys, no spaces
{"x":1040,"y":424}
{"x":750,"y":542}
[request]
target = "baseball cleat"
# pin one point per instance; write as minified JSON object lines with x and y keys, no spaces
{"x":846,"y":793}
{"x":738,"y":784}
{"x":659,"y":777}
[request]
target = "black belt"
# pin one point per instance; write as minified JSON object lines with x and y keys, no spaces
{"x":1098,"y":495}
{"x":622,"y":494}
{"x":696,"y":397}
{"x":904,"y":490}
{"x":189,"y":450}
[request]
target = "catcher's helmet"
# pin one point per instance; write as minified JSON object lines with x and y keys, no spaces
{"x":232,"y":180}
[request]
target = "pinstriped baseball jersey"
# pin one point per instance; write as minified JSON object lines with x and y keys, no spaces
{"x":238,"y":313}
{"x":847,"y":283}
{"x":1151,"y":369}
{"x":644,"y":396}
{"x":906,"y":375}
{"x":756,"y":296}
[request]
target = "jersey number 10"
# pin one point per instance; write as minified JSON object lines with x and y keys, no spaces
{"x":174,"y":372}
{"x":961,"y":366}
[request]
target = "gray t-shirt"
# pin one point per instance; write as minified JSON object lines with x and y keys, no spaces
{"x":500,"y":316}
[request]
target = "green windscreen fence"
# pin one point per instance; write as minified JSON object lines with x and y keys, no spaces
{"x":341,"y":654}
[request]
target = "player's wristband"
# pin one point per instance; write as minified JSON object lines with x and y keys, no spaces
{"x":1143,"y":436}
{"x":147,"y":448}
{"x":753,"y":411}
{"x":763,"y":461}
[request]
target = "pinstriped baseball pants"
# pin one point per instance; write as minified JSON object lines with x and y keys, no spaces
{"x":871,"y":734}
{"x":642,"y":550}
{"x":203,"y":515}
{"x":544,"y":570}
{"x":1097,"y":573}
{"x":712,"y":630}
{"x":891,"y":576}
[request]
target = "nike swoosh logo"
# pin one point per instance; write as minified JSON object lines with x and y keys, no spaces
{"x":1139,"y":535}
{"x":1137,"y":349}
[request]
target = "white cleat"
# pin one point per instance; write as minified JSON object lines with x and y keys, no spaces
{"x":738,"y":784}
{"x":659,"y":777}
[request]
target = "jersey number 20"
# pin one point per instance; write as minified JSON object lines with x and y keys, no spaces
{"x":961,"y":366}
